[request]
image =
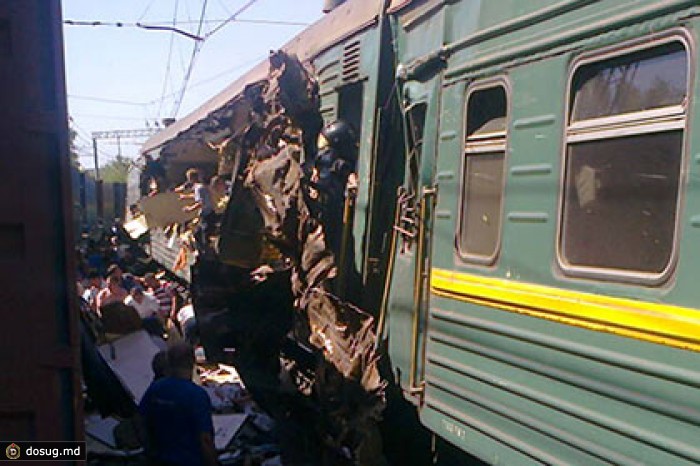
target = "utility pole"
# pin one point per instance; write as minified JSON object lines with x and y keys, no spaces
{"x":117,"y":134}
{"x":98,"y":181}
{"x":94,"y":152}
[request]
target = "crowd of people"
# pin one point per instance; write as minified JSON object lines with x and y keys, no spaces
{"x":121,"y":286}
{"x":123,"y":291}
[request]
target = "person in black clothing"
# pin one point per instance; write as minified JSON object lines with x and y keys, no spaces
{"x":153,"y":173}
{"x":328,"y":174}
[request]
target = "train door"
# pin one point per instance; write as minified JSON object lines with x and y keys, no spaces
{"x":350,"y":109}
{"x":415,"y":201}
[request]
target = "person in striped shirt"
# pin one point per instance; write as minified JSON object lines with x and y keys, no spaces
{"x":164,"y":293}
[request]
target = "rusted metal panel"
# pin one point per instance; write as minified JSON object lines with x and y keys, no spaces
{"x":40,"y":395}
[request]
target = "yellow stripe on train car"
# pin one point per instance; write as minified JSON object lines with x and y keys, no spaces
{"x":659,"y":323}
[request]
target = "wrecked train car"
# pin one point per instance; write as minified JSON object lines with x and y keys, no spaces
{"x":494,"y":179}
{"x":265,"y":283}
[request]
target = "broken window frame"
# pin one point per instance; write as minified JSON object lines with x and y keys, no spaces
{"x":615,"y":127}
{"x":479,"y":145}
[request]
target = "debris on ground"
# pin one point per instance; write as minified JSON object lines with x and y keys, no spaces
{"x":243,"y":433}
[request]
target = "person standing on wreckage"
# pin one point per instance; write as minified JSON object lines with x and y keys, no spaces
{"x":177,"y":414}
{"x":332,"y":174}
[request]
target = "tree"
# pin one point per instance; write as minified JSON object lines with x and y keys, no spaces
{"x":116,"y":171}
{"x":72,"y":147}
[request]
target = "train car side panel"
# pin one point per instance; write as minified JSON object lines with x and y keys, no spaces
{"x":529,"y":359}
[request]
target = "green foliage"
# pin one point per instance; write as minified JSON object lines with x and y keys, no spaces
{"x":73,"y":150}
{"x":116,"y":171}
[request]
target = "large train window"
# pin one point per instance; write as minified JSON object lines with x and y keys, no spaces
{"x":624,"y":147}
{"x":479,"y":233}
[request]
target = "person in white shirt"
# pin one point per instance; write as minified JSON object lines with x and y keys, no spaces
{"x":188,"y":323}
{"x":92,"y":288}
{"x":147,"y":307}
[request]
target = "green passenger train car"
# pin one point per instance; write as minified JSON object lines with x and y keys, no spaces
{"x":543,"y":305}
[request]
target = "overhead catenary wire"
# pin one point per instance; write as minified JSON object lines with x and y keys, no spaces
{"x":198,"y":45}
{"x":210,"y":78}
{"x":168,"y":60}
{"x":167,"y":96}
{"x":145,"y":11}
{"x":193,"y":58}
{"x":89,"y":147}
{"x":152,"y":27}
{"x":152,"y":23}
{"x":224,"y":7}
{"x":105,"y":100}
{"x":231,"y":18}
{"x":111,"y":117}
{"x":85,"y":137}
{"x":202,"y":33}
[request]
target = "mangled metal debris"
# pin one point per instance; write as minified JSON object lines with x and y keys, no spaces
{"x":263,"y":286}
{"x":275,"y":279}
{"x":242,"y":432}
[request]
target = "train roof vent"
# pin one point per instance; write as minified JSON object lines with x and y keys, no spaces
{"x":351,"y":61}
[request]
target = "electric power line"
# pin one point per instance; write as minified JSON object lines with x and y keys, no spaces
{"x":145,"y":12}
{"x":198,"y":45}
{"x":119,"y":24}
{"x":231,"y":18}
{"x":224,"y":7}
{"x":195,"y":51}
{"x":110,"y":117}
{"x":210,"y":78}
{"x":165,"y":22}
{"x":87,"y":140}
{"x":169,"y":60}
{"x":109,"y":101}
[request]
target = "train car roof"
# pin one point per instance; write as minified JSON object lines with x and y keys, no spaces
{"x":396,"y":5}
{"x":345,"y":20}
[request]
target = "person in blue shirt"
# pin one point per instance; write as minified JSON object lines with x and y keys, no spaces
{"x":177,"y":415}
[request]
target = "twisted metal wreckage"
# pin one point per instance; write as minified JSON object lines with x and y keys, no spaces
{"x":271,"y":275}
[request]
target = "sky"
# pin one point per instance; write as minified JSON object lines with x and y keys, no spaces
{"x":130,"y":78}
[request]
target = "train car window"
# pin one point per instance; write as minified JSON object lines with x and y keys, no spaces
{"x":636,"y":82}
{"x":624,"y":148}
{"x":350,"y":104}
{"x":483,"y":173}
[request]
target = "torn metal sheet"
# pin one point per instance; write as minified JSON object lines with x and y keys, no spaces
{"x":226,"y":426}
{"x":269,"y":227}
{"x":165,"y":209}
{"x":103,"y":387}
{"x":102,"y":429}
{"x":130,"y":358}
